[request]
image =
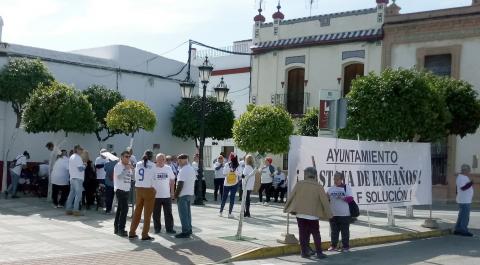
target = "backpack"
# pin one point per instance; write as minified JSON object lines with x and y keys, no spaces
{"x":353,"y":207}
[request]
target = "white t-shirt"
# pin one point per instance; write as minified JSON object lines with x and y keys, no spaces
{"x":249,"y":178}
{"x":187,"y":175}
{"x":231,"y":179}
{"x":76,"y":167}
{"x":100,"y":171}
{"x":122,"y":177}
{"x":277,"y":178}
{"x":21,"y":161}
{"x":163,"y":176}
{"x":60,"y":174}
{"x":308,"y":217}
{"x":338,"y":206}
{"x":195,"y":166}
{"x":464,"y":196}
{"x":133,"y":160}
{"x":144,"y":175}
{"x":43,"y":170}
{"x":266,"y":175}
{"x":218,"y":172}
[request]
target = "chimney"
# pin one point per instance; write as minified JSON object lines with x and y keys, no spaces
{"x":1,"y":28}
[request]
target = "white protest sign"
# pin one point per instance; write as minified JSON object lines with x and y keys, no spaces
{"x":380,"y":173}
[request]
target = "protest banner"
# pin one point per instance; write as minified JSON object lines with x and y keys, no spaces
{"x":381,"y":174}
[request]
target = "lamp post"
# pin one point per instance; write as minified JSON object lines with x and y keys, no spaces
{"x":221,"y":92}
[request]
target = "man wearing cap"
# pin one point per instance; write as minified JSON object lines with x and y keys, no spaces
{"x":76,"y":169}
{"x":19,"y":163}
{"x":464,"y":200}
{"x":184,"y":193}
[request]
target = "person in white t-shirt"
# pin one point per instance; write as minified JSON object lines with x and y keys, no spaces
{"x":184,"y":194}
{"x":144,"y":195}
{"x":76,"y":169}
{"x":232,"y":173}
{"x":464,"y":200}
{"x":248,"y":182}
{"x":122,"y":178}
{"x":100,"y":162}
{"x":60,"y":180}
{"x":278,"y":185}
{"x":266,"y":179}
{"x":219,"y":178}
{"x":163,"y":183}
{"x":15,"y":172}
{"x":340,"y":195}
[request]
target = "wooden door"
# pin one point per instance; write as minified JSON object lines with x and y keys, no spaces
{"x":351,"y":72}
{"x":295,"y":91}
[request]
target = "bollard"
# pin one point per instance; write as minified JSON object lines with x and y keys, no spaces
{"x":390,"y":216}
{"x":409,"y":212}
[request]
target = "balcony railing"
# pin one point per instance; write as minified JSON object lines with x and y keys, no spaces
{"x":297,"y":106}
{"x":238,"y":47}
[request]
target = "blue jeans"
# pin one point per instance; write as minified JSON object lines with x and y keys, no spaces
{"x":185,"y":214}
{"x":463,"y":218}
{"x":13,"y":186}
{"x":75,"y":195}
{"x":232,"y":190}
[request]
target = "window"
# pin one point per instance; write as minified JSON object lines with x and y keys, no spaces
{"x":257,"y":33}
{"x":439,"y":64}
{"x":275,"y":31}
{"x":380,"y":18}
{"x":207,"y":157}
{"x":285,"y":162}
{"x":351,"y":72}
{"x":296,"y":91}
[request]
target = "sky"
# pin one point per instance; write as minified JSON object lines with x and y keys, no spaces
{"x":160,"y":26}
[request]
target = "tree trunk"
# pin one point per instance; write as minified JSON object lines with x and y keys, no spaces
{"x":5,"y":156}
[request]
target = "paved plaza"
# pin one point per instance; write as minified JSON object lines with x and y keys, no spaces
{"x":33,"y":232}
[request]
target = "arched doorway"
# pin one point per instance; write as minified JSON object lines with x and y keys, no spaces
{"x":295,"y":91}
{"x":351,"y":72}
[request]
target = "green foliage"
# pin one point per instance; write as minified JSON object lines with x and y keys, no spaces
{"x":219,"y":119}
{"x":18,"y":79}
{"x":130,"y":116}
{"x":263,"y":129}
{"x":308,"y":124}
{"x":58,"y":107}
{"x":462,"y":103}
{"x":398,"y":105}
{"x":102,"y":100}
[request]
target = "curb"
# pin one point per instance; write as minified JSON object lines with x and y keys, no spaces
{"x":271,"y":252}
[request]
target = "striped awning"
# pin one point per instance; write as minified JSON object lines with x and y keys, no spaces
{"x":324,"y":39}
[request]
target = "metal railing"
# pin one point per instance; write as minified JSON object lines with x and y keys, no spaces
{"x":294,"y":107}
{"x":237,"y":47}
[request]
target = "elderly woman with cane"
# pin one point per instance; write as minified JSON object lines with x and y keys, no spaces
{"x":309,"y":202}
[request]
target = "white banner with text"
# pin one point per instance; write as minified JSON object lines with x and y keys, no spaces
{"x":380,"y":173}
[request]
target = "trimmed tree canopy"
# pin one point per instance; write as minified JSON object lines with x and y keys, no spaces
{"x":398,"y":105}
{"x":219,"y":119}
{"x":58,"y":107}
{"x":263,"y":129}
{"x":102,"y":100}
{"x":462,"y":103}
{"x":18,"y":79}
{"x":130,"y":116}
{"x":308,"y":124}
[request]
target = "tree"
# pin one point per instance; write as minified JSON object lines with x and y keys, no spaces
{"x":130,"y":116}
{"x":58,"y":107}
{"x":18,"y":79}
{"x":102,"y":100}
{"x":186,"y":117}
{"x":462,"y":103}
{"x":398,"y":105}
{"x":308,"y":124}
{"x":263,"y":129}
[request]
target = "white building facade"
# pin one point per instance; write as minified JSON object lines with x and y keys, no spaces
{"x":135,"y":73}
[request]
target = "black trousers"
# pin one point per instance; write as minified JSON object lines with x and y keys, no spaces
{"x":218,"y":183}
{"x":63,"y":190}
{"x":240,"y":191}
{"x":267,"y":188}
{"x":166,"y":204}
{"x":109,"y":194}
{"x":279,"y":191}
{"x":247,"y":204}
{"x":122,"y":211}
{"x":340,"y":224}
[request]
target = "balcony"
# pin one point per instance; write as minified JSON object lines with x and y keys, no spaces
{"x":296,"y":104}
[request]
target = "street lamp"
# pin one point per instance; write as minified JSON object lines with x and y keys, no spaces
{"x":221,"y":92}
